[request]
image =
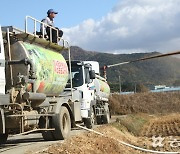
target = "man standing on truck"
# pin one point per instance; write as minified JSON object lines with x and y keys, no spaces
{"x":51,"y":33}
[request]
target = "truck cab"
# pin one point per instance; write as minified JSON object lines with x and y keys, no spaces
{"x":84,"y":78}
{"x":83,"y":81}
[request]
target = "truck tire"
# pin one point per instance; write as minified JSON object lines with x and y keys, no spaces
{"x":90,"y":122}
{"x":106,"y":117}
{"x":62,"y":124}
{"x":99,"y":120}
{"x":47,"y":135}
{"x":3,"y":138}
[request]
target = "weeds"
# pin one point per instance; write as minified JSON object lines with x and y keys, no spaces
{"x":151,"y":103}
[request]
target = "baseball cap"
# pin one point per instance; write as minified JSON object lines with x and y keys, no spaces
{"x":52,"y":11}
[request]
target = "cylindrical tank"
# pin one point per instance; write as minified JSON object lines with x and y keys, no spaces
{"x":51,"y":69}
{"x":102,"y":89}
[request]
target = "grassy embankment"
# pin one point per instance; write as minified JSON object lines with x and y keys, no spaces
{"x":142,"y":108}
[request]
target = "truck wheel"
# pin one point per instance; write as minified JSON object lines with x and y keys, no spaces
{"x":3,"y":138}
{"x":90,"y":122}
{"x":99,"y":120}
{"x":62,"y":124}
{"x":47,"y":135}
{"x":106,"y":117}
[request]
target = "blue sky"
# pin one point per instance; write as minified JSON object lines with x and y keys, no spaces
{"x":115,"y":26}
{"x":71,"y":12}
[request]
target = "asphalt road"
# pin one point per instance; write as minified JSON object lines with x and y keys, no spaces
{"x":33,"y":143}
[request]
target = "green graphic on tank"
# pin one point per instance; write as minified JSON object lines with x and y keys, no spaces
{"x":50,"y":68}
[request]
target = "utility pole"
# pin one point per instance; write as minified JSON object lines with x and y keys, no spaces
{"x":119,"y":84}
{"x":135,"y":88}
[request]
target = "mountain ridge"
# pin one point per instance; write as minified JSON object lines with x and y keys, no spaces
{"x":151,"y":72}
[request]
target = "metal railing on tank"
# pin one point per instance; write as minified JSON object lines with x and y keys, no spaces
{"x":43,"y":25}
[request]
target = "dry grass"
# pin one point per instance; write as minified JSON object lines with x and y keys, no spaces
{"x":136,"y":128}
{"x":134,"y":123}
{"x":151,"y":103}
{"x":90,"y":143}
{"x":168,"y":125}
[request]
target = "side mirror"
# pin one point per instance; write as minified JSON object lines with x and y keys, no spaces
{"x":92,"y":74}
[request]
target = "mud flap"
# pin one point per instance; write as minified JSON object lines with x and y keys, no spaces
{"x":2,"y":65}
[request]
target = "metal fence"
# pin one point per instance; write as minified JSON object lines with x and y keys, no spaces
{"x":171,"y":89}
{"x":167,"y":89}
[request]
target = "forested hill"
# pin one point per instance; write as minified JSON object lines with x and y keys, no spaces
{"x":151,"y":72}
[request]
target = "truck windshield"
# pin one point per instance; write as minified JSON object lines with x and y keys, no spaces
{"x":77,"y":76}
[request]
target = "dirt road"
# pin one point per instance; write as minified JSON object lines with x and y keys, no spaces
{"x":33,"y":143}
{"x":108,"y":138}
{"x":129,"y":128}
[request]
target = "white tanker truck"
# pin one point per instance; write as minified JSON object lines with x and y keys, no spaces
{"x":35,"y":95}
{"x":94,"y":92}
